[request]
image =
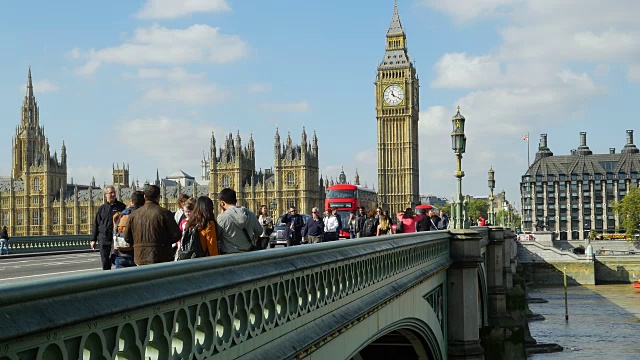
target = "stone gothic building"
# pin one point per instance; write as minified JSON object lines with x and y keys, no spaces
{"x":37,"y":200}
{"x":397,"y":111}
{"x":293,"y":181}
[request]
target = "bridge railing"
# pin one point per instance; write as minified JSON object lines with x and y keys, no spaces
{"x":231,"y":306}
{"x":48,"y":243}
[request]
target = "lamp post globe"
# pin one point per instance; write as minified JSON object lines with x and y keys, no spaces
{"x":459,"y":144}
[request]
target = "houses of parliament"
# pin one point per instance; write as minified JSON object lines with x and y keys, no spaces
{"x":37,"y":199}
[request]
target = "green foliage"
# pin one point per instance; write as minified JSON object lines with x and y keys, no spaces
{"x":503,"y":218}
{"x":592,"y":234}
{"x":628,"y":210}
{"x":478,"y":207}
{"x":446,"y":208}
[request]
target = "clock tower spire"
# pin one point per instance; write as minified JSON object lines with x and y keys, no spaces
{"x":397,"y":108}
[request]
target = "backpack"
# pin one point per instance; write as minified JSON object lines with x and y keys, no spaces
{"x":369,"y":227}
{"x":190,"y":246}
{"x":424,"y":224}
{"x":400,"y":227}
{"x":120,"y":222}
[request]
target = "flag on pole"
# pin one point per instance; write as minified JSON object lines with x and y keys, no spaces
{"x":526,"y":137}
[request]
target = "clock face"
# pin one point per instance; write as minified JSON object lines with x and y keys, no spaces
{"x":393,"y":95}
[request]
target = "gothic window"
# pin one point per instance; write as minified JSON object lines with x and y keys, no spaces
{"x":36,"y":184}
{"x":225,"y":181}
{"x":83,"y":216}
{"x":19,"y":201}
{"x":291,"y":179}
{"x":36,"y":200}
{"x":56,"y":217}
{"x":5,"y":219}
{"x":69,"y":216}
{"x":19,"y":219}
{"x":36,"y":217}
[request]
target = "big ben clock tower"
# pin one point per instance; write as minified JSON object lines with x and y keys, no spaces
{"x":397,"y":109}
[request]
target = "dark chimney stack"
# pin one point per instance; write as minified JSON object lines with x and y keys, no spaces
{"x":629,"y":137}
{"x":543,"y":141}
{"x":612,"y":150}
{"x":573,"y":151}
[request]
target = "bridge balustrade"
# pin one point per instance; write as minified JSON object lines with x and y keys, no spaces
{"x":50,"y":243}
{"x":273,"y":304}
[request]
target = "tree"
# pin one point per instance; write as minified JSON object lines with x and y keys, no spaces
{"x":628,"y":210}
{"x":478,"y":207}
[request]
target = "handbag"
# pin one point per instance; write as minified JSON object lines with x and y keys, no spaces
{"x":190,"y":246}
{"x":400,"y":227}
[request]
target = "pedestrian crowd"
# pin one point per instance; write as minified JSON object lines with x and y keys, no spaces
{"x":143,"y":232}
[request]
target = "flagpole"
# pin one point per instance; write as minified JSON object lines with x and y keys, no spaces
{"x":528,"y":152}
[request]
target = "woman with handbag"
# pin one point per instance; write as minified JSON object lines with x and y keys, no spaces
{"x":202,"y":226}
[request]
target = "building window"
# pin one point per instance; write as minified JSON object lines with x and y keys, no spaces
{"x":56,"y":217}
{"x":291,"y":179}
{"x":5,"y":219}
{"x":19,"y":201}
{"x":5,"y":201}
{"x":69,"y":216}
{"x":83,"y":216}
{"x":225,"y":181}
{"x":36,"y":217}
{"x":36,"y":200}
{"x":19,"y":219}
{"x":36,"y":184}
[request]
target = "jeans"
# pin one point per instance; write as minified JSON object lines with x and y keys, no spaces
{"x":352,"y":235}
{"x":124,"y":262}
{"x":4,"y":246}
{"x":105,"y":257}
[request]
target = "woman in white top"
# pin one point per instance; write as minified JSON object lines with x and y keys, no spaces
{"x":267,"y":226}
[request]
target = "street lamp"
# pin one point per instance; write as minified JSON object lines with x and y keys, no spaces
{"x":458,"y":144}
{"x":492,"y":185}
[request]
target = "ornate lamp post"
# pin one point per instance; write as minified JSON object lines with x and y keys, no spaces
{"x":459,"y":144}
{"x":492,"y":185}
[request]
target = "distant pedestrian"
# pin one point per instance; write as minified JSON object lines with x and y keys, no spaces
{"x":313,"y":230}
{"x":267,"y":226}
{"x":123,"y":256}
{"x":203,"y":221}
{"x":238,"y":227}
{"x":294,"y":223}
{"x":179,"y":215}
{"x":103,"y":225}
{"x":4,"y":241}
{"x":153,"y":230}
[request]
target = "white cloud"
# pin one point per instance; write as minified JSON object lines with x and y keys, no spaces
{"x":160,"y":45}
{"x":366,"y":157}
{"x":187,"y":93}
{"x":302,"y":106}
{"x":471,"y":9}
{"x":174,"y":74}
{"x":83,"y":175}
{"x":459,"y":71}
{"x":633,"y":73}
{"x":168,"y":9}
{"x":258,"y":88}
{"x":41,"y":86}
{"x":182,"y":151}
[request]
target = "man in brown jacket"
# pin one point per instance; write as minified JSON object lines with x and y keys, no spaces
{"x":152,"y":229}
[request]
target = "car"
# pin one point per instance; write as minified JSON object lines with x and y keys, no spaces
{"x":277,"y":236}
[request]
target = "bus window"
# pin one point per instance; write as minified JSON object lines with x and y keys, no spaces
{"x":341,"y":194}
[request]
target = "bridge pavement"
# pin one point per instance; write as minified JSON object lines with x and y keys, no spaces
{"x":27,"y":268}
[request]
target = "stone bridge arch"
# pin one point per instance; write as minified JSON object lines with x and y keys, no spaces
{"x":408,"y":339}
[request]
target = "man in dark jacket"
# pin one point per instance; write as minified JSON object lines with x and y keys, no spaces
{"x":124,"y":258}
{"x":152,"y":229}
{"x":103,"y":225}
{"x":294,"y":226}
{"x":360,"y":219}
{"x":313,"y":230}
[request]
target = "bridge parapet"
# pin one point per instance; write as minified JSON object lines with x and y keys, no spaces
{"x":273,"y":304}
{"x":35,"y":244}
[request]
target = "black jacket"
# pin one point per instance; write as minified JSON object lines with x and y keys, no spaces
{"x":4,"y":234}
{"x":103,"y":224}
{"x":313,"y":227}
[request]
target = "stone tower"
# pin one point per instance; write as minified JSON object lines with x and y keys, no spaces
{"x":232,"y":167}
{"x":120,"y":176}
{"x":397,"y":108}
{"x":296,"y":173}
{"x":43,"y":175}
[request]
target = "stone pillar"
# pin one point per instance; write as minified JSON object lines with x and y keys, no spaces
{"x":510,"y":256}
{"x":462,"y":296}
{"x":495,"y":274}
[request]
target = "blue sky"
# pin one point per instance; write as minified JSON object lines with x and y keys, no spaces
{"x":147,"y":81}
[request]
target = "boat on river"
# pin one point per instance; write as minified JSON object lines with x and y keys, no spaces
{"x":636,"y":282}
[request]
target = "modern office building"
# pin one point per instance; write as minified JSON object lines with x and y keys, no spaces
{"x":573,"y":194}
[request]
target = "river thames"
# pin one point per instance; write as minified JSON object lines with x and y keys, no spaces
{"x":604,"y":321}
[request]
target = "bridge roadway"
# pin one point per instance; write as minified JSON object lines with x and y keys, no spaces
{"x":28,"y":268}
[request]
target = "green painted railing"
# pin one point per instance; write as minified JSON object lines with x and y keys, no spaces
{"x":224,"y":307}
{"x":50,"y":243}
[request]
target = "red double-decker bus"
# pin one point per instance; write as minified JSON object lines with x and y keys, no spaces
{"x":347,"y":198}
